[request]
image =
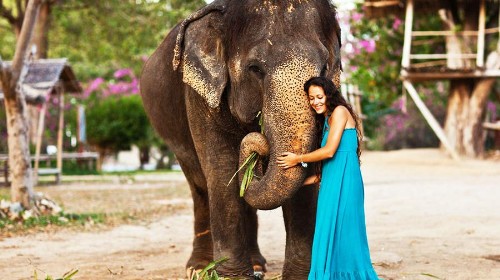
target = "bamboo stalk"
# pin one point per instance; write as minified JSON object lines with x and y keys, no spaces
{"x":405,"y":63}
{"x":39,"y":133}
{"x":480,"y":39}
{"x":380,"y":4}
{"x":60,"y":132}
{"x":428,"y":64}
{"x":430,"y":119}
{"x":454,"y":33}
{"x":440,"y":56}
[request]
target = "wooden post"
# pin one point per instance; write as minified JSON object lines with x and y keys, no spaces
{"x":60,"y":132}
{"x":430,"y":119}
{"x":480,"y":38}
{"x":39,"y":134}
{"x":408,"y":36}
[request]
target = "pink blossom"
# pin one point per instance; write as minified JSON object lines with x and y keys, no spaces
{"x":356,"y":16}
{"x":120,"y":73}
{"x":368,"y":45}
{"x":93,"y":86}
{"x":396,"y":24}
{"x":120,"y":87}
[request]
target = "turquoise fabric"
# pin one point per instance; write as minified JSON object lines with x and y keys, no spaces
{"x":340,"y":247}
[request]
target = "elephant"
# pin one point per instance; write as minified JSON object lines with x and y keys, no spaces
{"x":203,"y":89}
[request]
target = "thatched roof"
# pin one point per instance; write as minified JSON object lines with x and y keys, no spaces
{"x":44,"y":75}
{"x":381,"y":8}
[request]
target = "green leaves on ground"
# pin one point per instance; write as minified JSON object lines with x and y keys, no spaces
{"x":66,"y":276}
{"x":209,"y":273}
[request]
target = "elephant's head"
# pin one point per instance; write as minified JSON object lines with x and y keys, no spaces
{"x":257,"y":56}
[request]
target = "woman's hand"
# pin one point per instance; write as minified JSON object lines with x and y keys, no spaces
{"x":287,"y":160}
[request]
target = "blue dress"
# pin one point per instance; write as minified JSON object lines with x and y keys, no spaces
{"x":340,"y":247}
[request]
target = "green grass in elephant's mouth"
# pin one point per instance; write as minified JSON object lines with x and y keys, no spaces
{"x":249,"y":163}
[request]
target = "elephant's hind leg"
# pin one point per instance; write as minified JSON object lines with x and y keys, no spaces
{"x":202,"y":253}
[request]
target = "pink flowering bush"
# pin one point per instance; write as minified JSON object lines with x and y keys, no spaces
{"x":372,"y":61}
{"x":405,"y":126}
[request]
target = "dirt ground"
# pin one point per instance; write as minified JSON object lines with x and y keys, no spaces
{"x":428,"y":217}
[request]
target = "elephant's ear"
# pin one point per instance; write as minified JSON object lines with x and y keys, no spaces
{"x":199,"y":44}
{"x":335,"y":61}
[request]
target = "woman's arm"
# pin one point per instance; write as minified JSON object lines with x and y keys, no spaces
{"x":337,"y":123}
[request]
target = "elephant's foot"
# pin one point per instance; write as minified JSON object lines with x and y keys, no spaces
{"x":199,"y":261}
{"x":259,"y":263}
{"x":296,"y":271}
{"x":237,"y":267}
{"x":249,"y":276}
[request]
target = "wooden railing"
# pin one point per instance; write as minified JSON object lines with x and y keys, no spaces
{"x":86,"y":156}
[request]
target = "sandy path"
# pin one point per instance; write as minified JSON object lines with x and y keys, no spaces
{"x":427,"y":217}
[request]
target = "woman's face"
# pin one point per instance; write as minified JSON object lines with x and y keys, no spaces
{"x":317,"y":99}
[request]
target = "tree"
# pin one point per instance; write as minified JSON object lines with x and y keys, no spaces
{"x":15,"y":105}
{"x":115,"y":123}
{"x":118,"y":33}
{"x":14,"y":12}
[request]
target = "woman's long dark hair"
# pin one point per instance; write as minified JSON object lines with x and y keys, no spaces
{"x":333,"y":99}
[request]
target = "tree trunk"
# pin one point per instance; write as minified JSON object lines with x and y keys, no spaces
{"x":144,"y":156}
{"x":40,"y":38}
{"x":456,"y":114}
{"x":19,"y":154}
{"x":15,"y":106}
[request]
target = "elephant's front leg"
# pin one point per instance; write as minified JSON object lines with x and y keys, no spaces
{"x":299,"y":213}
{"x":258,"y":261}
{"x":228,"y":218}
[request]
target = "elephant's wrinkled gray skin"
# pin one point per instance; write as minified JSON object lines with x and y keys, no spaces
{"x":203,"y":88}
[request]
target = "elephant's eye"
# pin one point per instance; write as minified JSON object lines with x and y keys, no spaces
{"x":257,"y":71}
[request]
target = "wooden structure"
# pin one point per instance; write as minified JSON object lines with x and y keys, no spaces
{"x":49,"y":78}
{"x":418,"y":67}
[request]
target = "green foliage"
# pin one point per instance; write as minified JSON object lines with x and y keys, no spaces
{"x":61,"y":219}
{"x":249,"y":163}
{"x":116,"y":33}
{"x":116,"y":122}
{"x":374,"y":64}
{"x":100,"y":36}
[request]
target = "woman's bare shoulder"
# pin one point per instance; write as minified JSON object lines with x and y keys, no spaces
{"x":340,"y":112}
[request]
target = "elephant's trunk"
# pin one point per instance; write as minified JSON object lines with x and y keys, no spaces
{"x":277,"y":184}
{"x":289,"y":126}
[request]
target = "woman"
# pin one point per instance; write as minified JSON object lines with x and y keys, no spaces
{"x":340,"y":247}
